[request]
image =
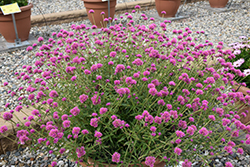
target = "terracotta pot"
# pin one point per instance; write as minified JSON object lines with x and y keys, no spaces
{"x":23,"y":24}
{"x":218,"y":3}
{"x":157,"y":164}
{"x":98,"y":6}
{"x":169,"y":6}
{"x":244,"y":120}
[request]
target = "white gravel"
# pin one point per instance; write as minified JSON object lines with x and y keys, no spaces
{"x":55,"y":6}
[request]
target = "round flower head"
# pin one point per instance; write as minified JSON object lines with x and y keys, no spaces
{"x":150,"y":161}
{"x":91,"y":11}
{"x":116,"y":157}
{"x":178,"y":151}
{"x":54,"y":163}
{"x":229,"y":164}
{"x":163,"y":12}
{"x":3,"y":129}
{"x":203,"y":131}
{"x":75,"y":111}
{"x":80,"y":152}
{"x":186,"y":163}
{"x":98,"y":134}
{"x":83,"y":98}
{"x":137,"y":7}
{"x":103,"y":110}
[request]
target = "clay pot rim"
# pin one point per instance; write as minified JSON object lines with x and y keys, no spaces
{"x":96,"y":1}
{"x":23,"y":8}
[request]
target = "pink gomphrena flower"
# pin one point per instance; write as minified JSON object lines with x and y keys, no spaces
{"x":96,"y":100}
{"x":186,"y":163}
{"x":116,"y":157}
{"x":5,"y":83}
{"x":83,"y":98}
{"x":66,"y":123}
{"x":167,"y":21}
{"x":7,"y":116}
{"x":106,"y":20}
{"x":172,"y":83}
{"x":203,"y":131}
{"x":29,"y":48}
{"x":177,"y":151}
{"x":94,"y":114}
{"x":80,"y":152}
{"x":240,"y":151}
{"x":98,"y":134}
{"x":150,"y":161}
{"x":175,"y":31}
{"x":76,"y":130}
{"x":137,"y":7}
{"x":53,"y":93}
{"x":152,"y":19}
{"x":163,"y":12}
{"x":3,"y":129}
{"x":91,"y":11}
{"x":190,"y":130}
{"x":93,"y":27}
{"x":40,"y":39}
{"x":119,"y":68}
{"x":112,"y":54}
{"x":102,"y":13}
{"x":18,"y":108}
{"x":75,"y":111}
{"x":228,"y":164}
{"x":53,"y":33}
{"x":212,"y":117}
{"x":85,"y":131}
{"x":94,"y":122}
{"x":103,"y":110}
{"x":153,"y":128}
{"x":54,"y":163}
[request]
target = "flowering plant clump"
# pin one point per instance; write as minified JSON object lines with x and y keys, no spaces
{"x":241,"y":59}
{"x":128,"y":94}
{"x":20,"y":2}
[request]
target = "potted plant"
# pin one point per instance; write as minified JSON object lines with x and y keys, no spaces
{"x":97,"y":11}
{"x":218,"y":3}
{"x":23,"y":22}
{"x":167,"y":8}
{"x":133,"y":98}
{"x":240,"y":59}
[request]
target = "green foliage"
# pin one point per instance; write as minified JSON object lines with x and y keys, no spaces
{"x":20,"y":2}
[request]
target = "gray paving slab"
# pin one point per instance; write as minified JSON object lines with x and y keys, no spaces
{"x":8,"y":47}
{"x":157,"y":17}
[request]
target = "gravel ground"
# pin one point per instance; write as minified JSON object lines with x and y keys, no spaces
{"x":226,"y":26}
{"x":55,"y":6}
